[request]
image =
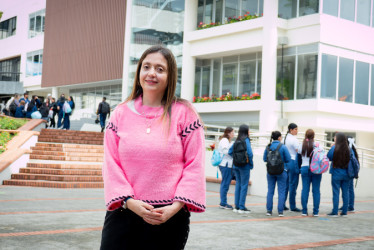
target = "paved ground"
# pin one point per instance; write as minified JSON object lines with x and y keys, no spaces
{"x":40,"y":218}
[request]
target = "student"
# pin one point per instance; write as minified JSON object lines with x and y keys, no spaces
{"x":103,"y":110}
{"x":53,"y":107}
{"x":20,"y":112}
{"x":60,"y":108}
{"x":25,"y":98}
{"x":242,"y":173}
{"x":67,"y":115}
{"x":280,"y":179}
{"x":153,"y":167}
{"x":339,"y":155}
{"x":44,"y":111}
{"x":292,"y":167}
{"x":225,"y":166}
{"x":307,"y":177}
{"x":31,"y":108}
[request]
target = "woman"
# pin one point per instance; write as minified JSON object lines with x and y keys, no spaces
{"x":225,"y":166}
{"x":153,"y":167}
{"x":307,"y":177}
{"x":339,"y":154}
{"x":280,"y":179}
{"x":242,"y":173}
{"x":292,"y":144}
{"x":67,"y":115}
{"x":53,"y":107}
{"x":60,"y":108}
{"x":20,"y":112}
{"x":31,"y":108}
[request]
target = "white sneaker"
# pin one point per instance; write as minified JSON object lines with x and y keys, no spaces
{"x":235,"y":210}
{"x":315,"y":215}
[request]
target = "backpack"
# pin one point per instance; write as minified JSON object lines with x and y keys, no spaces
{"x":239,"y":154}
{"x":66,"y":108}
{"x":274,"y":162}
{"x":217,"y":158}
{"x":13,"y":107}
{"x":353,"y":167}
{"x":318,"y":161}
{"x":105,"y":108}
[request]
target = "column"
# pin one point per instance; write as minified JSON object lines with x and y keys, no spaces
{"x":188,"y":70}
{"x":269,"y":108}
{"x":126,"y":55}
{"x":55,"y":93}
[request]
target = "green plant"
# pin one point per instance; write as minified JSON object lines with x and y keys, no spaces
{"x":227,"y":97}
{"x":234,"y":19}
{"x":11,"y":124}
{"x":1,"y":14}
{"x":5,"y":137}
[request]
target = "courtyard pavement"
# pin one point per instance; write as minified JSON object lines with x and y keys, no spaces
{"x":41,"y":218}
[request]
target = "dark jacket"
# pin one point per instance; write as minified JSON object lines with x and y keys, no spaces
{"x":100,"y":109}
{"x":20,"y":112}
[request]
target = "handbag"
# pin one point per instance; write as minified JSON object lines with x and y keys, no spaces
{"x":97,"y":121}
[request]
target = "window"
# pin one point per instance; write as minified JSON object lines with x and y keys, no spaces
{"x":285,"y":87}
{"x":36,"y":23}
{"x":347,"y":9}
{"x":229,"y":78}
{"x":345,"y":80}
{"x":307,"y":76}
{"x":34,"y":63}
{"x":8,"y":27}
{"x":363,"y":11}
{"x":362,"y":83}
{"x":372,"y":86}
{"x":288,"y":9}
{"x":247,"y":80}
{"x":331,"y":7}
{"x":232,"y":8}
{"x":328,"y":76}
{"x":216,"y":77}
{"x":10,"y":69}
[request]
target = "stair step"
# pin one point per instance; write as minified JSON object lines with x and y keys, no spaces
{"x":54,"y":184}
{"x":58,"y":145}
{"x":67,"y":149}
{"x":51,"y":171}
{"x":65,"y":166}
{"x":60,"y":131}
{"x":44,"y":152}
{"x":66,"y":158}
{"x":94,"y":138}
{"x":72,"y":154}
{"x":66,"y":178}
{"x":71,"y":141}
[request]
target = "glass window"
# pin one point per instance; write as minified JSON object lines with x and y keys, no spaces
{"x":287,"y":9}
{"x":308,"y":7}
{"x":219,"y":9}
{"x":362,"y":83}
{"x":229,"y":79}
{"x":345,"y":80}
{"x":205,"y":84}
{"x":307,"y":76}
{"x":347,"y":9}
{"x":8,"y":27}
{"x":328,"y":76}
{"x":34,"y":63}
{"x":331,"y":7}
{"x":197,"y":80}
{"x":200,"y":12}
{"x":10,"y":69}
{"x":247,"y":78}
{"x":36,"y":23}
{"x":232,"y":8}
{"x":259,"y":70}
{"x":372,"y":85}
{"x":250,"y":6}
{"x":216,"y":77}
{"x":285,"y":91}
{"x":363,"y":11}
{"x":372,"y":16}
{"x":208,"y":14}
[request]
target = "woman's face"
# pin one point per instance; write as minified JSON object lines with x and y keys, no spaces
{"x":69,"y":98}
{"x":294,"y":131}
{"x":232,"y":134}
{"x":154,"y":74}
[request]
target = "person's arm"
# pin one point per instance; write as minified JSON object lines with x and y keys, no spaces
{"x":99,"y":108}
{"x":224,"y":144}
{"x":330,"y":154}
{"x":265,"y":157}
{"x":249,"y":152}
{"x":231,"y":150}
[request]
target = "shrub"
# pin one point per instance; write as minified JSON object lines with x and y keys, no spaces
{"x":5,"y":137}
{"x":11,"y":124}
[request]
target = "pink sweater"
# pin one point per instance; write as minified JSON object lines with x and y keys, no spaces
{"x":157,"y":168}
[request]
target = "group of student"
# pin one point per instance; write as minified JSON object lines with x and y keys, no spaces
{"x":36,"y":109}
{"x":286,"y":159}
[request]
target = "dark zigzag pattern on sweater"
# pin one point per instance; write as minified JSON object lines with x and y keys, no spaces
{"x":202,"y":207}
{"x":193,"y":126}
{"x":112,"y":127}
{"x":118,"y":199}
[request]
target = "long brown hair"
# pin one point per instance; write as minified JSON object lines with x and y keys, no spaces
{"x":172,"y":71}
{"x":226,"y":133}
{"x":308,"y":143}
{"x":341,"y":156}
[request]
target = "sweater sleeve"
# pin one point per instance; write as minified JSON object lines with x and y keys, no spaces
{"x":192,"y":187}
{"x":116,"y":185}
{"x":249,"y":152}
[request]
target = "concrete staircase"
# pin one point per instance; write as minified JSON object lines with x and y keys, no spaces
{"x":63,"y":159}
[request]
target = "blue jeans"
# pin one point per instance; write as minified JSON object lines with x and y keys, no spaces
{"x":241,"y":188}
{"x":102,"y":120}
{"x":308,"y":178}
{"x":280,"y":180}
{"x":225,"y":184}
{"x":293,"y":178}
{"x":59,"y":121}
{"x":338,"y":182}
{"x":351,"y":194}
{"x":67,"y":122}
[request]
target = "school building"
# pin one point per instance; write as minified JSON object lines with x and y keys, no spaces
{"x":308,"y":62}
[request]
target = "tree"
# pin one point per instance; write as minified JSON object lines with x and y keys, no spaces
{"x":1,"y":13}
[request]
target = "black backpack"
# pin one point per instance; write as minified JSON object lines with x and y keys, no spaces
{"x":240,"y":155}
{"x":105,"y":108}
{"x":13,"y":107}
{"x":274,"y":164}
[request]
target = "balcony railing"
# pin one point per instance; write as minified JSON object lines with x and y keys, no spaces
{"x":10,"y":76}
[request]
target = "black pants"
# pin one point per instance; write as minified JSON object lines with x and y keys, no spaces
{"x":53,"y":121}
{"x":123,"y":229}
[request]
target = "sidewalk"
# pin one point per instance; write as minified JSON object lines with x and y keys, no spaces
{"x":40,"y":218}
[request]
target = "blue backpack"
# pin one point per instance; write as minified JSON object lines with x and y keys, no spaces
{"x":353,"y":167}
{"x":217,"y":158}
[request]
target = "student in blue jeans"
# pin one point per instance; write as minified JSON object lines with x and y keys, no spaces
{"x":225,"y":166}
{"x":281,"y":179}
{"x":307,"y":177}
{"x":242,"y":173}
{"x":339,"y":154}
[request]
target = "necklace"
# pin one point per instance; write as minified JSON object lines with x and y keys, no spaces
{"x":149,"y":121}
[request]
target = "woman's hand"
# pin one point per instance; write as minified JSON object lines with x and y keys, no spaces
{"x":163,"y":214}
{"x":142,"y":209}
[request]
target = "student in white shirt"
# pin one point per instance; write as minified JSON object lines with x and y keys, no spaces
{"x":225,"y":166}
{"x":293,"y":172}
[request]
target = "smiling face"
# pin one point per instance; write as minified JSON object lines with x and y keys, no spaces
{"x":154,"y":74}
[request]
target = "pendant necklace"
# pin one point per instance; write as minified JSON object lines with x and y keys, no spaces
{"x":149,"y":121}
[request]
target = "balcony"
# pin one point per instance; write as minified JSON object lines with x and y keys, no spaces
{"x":10,"y":84}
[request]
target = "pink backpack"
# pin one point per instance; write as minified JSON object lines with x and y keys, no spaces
{"x":319,"y":163}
